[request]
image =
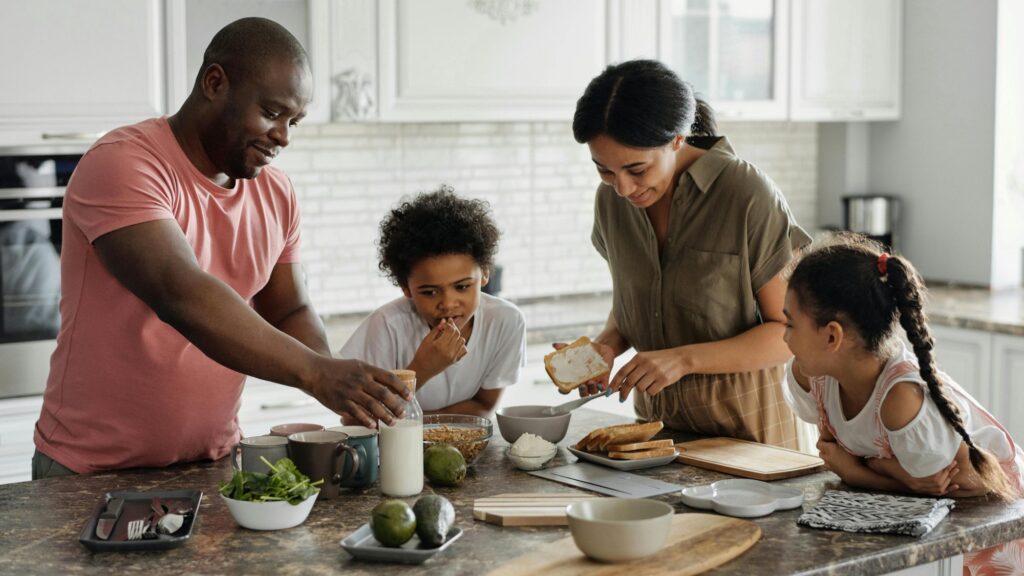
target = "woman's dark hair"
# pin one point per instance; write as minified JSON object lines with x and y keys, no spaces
{"x":643,"y":104}
{"x":841,"y":280}
{"x":435,"y":224}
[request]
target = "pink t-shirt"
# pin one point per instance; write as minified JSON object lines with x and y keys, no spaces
{"x":125,"y":389}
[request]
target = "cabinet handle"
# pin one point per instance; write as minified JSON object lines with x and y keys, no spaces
{"x":290,"y":404}
{"x":72,"y":135}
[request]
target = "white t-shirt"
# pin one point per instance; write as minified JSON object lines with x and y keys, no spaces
{"x":496,"y":350}
{"x":925,"y":445}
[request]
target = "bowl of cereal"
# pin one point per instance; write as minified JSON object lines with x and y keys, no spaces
{"x":469,"y":434}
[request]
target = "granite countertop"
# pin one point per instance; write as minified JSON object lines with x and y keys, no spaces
{"x":40,"y":522}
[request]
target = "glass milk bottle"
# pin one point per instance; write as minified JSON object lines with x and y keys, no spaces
{"x":401,"y":447}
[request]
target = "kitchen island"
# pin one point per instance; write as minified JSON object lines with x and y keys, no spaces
{"x":40,"y":524}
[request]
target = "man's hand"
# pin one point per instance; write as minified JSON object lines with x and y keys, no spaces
{"x":649,"y":372}
{"x":441,"y":348}
{"x":939,"y":484}
{"x":361,"y":393}
{"x":597,"y":385}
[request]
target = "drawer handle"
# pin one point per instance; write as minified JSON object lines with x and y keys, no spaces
{"x":72,"y":135}
{"x":290,"y":404}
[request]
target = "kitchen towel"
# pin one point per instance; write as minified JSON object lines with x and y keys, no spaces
{"x":886,"y":513}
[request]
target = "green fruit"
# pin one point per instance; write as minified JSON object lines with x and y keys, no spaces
{"x":444,"y":465}
{"x":434,"y":518}
{"x":393,"y":523}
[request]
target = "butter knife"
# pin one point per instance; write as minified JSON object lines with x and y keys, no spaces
{"x":108,"y":518}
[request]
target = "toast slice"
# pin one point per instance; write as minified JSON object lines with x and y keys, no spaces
{"x":637,"y":446}
{"x":575,"y":365}
{"x":642,"y":454}
{"x":590,"y":441}
{"x":601,"y":438}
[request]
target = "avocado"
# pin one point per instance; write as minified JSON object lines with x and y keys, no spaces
{"x":444,"y":465}
{"x":435,"y":516}
{"x":393,"y":523}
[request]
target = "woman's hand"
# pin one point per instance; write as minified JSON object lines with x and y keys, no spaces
{"x":650,"y":372}
{"x":597,"y":385}
{"x":837,"y":459}
{"x":939,"y":484}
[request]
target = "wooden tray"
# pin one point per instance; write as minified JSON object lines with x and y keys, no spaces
{"x":747,"y":459}
{"x":541,"y":509}
{"x":697,"y":543}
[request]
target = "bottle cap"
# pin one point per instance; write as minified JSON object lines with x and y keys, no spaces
{"x":408,"y":377}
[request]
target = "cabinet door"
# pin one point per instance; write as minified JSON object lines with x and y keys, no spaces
{"x":74,"y":69}
{"x":266,"y":404}
{"x":966,"y":355}
{"x":453,"y":60}
{"x":17,"y":426}
{"x":1008,"y":379}
{"x":846,"y":59}
{"x":734,"y":52}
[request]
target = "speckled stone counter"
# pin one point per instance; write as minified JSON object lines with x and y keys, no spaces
{"x":990,"y":310}
{"x":40,"y":522}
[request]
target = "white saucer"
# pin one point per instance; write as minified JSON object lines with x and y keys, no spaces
{"x":742,"y":498}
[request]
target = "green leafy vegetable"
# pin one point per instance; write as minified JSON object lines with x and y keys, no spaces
{"x":283,"y":482}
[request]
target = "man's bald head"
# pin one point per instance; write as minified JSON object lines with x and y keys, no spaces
{"x":244,"y":47}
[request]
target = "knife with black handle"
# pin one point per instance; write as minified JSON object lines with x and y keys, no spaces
{"x":108,"y":518}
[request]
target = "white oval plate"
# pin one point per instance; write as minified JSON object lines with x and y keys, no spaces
{"x":742,"y":498}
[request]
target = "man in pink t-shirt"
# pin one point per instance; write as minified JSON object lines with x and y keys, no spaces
{"x":180,"y":275}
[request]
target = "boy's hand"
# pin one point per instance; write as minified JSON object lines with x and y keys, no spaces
{"x":441,"y":348}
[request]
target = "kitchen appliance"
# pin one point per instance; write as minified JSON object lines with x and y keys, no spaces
{"x":31,"y":197}
{"x":873,"y":215}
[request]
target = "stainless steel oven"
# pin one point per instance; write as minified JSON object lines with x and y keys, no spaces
{"x":31,"y":195}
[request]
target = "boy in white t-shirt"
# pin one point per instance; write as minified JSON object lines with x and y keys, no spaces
{"x":465,"y":346}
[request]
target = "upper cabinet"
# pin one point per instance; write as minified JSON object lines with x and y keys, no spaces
{"x":846,"y":59}
{"x":192,"y":24}
{"x":73,"y":69}
{"x":733,"y":52}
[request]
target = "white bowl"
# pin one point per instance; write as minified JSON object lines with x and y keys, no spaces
{"x":619,"y":529}
{"x":531,"y":462}
{"x":269,"y":515}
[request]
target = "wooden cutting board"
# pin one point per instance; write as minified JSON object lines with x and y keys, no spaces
{"x":697,"y":543}
{"x":747,"y":459}
{"x":540,"y":509}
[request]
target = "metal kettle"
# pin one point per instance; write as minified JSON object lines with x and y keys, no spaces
{"x":873,"y":215}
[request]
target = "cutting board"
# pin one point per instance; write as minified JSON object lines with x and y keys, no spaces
{"x":541,"y":509}
{"x":697,"y":543}
{"x":747,"y":459}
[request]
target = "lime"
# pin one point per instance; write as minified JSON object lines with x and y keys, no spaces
{"x":393,"y":523}
{"x":444,"y":465}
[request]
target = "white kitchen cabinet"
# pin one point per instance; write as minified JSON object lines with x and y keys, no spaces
{"x":193,"y":23}
{"x":452,"y":60}
{"x":73,"y":69}
{"x":266,"y":404}
{"x":734,"y":52}
{"x":846,"y":60}
{"x":1008,"y":375}
{"x":17,"y":425}
{"x":966,"y":355}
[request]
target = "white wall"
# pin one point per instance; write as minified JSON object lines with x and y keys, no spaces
{"x":539,"y":181}
{"x":1008,"y":207}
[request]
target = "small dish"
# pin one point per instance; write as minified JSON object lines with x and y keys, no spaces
{"x":514,"y":421}
{"x":269,"y":515}
{"x":619,"y":529}
{"x":363,"y":546}
{"x":742,"y":498}
{"x":136,"y":506}
{"x":530,"y":462}
{"x":624,"y":464}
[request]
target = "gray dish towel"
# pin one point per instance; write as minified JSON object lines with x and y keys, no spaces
{"x":887,"y":513}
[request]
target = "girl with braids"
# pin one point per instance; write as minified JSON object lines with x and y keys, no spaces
{"x":696,"y":240}
{"x":889,"y":419}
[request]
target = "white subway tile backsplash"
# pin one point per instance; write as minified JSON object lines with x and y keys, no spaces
{"x":539,"y":181}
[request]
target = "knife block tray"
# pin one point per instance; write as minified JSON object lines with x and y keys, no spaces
{"x":136,"y":506}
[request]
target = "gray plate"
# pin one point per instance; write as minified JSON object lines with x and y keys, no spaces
{"x":624,"y":464}
{"x":363,"y":546}
{"x":136,"y":505}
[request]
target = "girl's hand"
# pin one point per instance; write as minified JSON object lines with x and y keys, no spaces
{"x":836,"y":458}
{"x":939,"y":484}
{"x":649,"y":372}
{"x":597,"y":385}
{"x":441,"y":348}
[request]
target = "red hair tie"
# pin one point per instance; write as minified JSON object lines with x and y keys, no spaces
{"x":883,"y":265}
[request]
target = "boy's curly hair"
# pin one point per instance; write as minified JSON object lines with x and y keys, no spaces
{"x":434,"y":224}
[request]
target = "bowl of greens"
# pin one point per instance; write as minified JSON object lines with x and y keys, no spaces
{"x":281,"y":498}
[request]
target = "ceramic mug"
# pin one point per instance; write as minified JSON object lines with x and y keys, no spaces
{"x":364,"y":440}
{"x":321,"y":456}
{"x":248,"y":452}
{"x":286,"y":430}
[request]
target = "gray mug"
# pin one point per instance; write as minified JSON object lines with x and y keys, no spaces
{"x":364,"y":440}
{"x":273,"y":448}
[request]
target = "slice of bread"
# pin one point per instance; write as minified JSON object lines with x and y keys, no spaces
{"x":641,"y":454}
{"x":636,"y":446}
{"x":601,"y":438}
{"x":575,"y":365}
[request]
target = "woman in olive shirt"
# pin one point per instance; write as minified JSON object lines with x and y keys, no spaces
{"x":696,"y":240}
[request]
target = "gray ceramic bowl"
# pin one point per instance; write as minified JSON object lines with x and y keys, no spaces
{"x":619,"y":529}
{"x":514,"y":421}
